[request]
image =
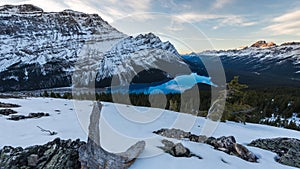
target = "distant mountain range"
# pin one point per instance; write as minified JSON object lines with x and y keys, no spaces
{"x":59,"y":49}
{"x":260,"y":65}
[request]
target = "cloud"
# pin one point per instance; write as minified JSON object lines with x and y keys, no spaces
{"x":220,"y":20}
{"x":218,"y":4}
{"x":286,"y":24}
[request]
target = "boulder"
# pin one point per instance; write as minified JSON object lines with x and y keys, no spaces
{"x":244,"y":153}
{"x":177,"y":150}
{"x":229,"y":146}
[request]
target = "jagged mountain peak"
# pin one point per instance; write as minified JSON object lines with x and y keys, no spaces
{"x":20,"y":9}
{"x":263,"y":44}
{"x":142,"y":41}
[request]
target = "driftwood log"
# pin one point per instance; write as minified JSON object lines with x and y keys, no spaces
{"x":93,"y":156}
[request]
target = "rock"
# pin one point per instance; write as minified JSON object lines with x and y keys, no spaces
{"x":29,"y":116}
{"x":229,"y":146}
{"x":286,"y":148}
{"x":181,"y":151}
{"x":225,"y":144}
{"x":244,"y":153}
{"x":7,"y":112}
{"x":8,"y":105}
{"x":55,"y":154}
{"x":177,"y":150}
{"x":17,"y":117}
{"x":199,"y":139}
{"x":173,"y":133}
{"x":37,"y":115}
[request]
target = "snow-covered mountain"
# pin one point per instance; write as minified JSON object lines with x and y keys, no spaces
{"x":261,"y":64}
{"x":43,"y":49}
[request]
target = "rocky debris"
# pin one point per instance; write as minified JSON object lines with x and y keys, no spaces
{"x":225,"y":144}
{"x":8,"y":105}
{"x":92,"y":155}
{"x":58,"y":154}
{"x":287,"y":149}
{"x":177,"y":150}
{"x":229,"y":146}
{"x":7,"y":112}
{"x":29,"y":116}
{"x":263,"y":44}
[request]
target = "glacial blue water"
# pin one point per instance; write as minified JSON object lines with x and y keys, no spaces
{"x":177,"y":85}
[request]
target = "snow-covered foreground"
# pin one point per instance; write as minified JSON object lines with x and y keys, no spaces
{"x":123,"y":125}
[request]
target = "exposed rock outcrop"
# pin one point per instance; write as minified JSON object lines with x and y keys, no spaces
{"x":60,"y":154}
{"x":225,"y":144}
{"x":286,"y":148}
{"x":229,"y":146}
{"x":263,"y":44}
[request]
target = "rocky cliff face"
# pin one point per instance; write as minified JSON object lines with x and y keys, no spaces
{"x":43,"y":49}
{"x":38,"y":49}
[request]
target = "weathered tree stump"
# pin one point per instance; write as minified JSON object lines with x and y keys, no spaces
{"x":93,"y":156}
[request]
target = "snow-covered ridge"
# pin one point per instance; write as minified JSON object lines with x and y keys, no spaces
{"x":143,"y":50}
{"x":288,"y":51}
{"x":45,"y":47}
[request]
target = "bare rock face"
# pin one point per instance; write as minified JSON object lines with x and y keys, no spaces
{"x":286,"y":148}
{"x":92,"y":155}
{"x":263,"y":44}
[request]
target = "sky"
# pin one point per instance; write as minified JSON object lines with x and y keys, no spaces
{"x":193,"y":25}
